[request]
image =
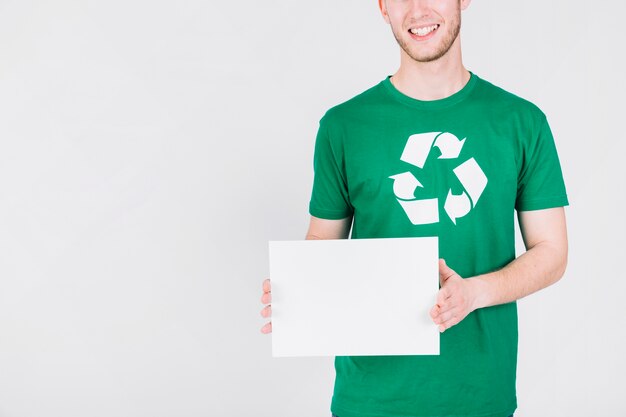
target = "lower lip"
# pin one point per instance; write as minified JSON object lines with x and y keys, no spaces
{"x":425,"y":37}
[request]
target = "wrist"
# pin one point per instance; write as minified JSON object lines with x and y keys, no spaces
{"x":481,"y":292}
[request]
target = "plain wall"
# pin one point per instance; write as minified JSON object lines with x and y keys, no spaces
{"x":150,"y":149}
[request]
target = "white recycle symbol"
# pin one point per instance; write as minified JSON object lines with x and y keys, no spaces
{"x":426,"y":211}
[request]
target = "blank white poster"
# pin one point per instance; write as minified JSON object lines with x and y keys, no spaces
{"x":352,"y":297}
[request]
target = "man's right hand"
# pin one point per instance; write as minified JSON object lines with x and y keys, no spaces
{"x":318,"y":229}
{"x":267,"y":310}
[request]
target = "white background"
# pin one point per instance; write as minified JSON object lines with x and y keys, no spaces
{"x":150,"y":149}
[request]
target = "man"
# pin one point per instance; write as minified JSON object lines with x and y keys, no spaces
{"x":436,"y":151}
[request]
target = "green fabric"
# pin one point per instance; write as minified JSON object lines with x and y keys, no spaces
{"x":358,"y":148}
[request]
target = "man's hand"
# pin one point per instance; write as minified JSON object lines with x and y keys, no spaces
{"x":455,"y":300}
{"x":545,"y":236}
{"x":267,"y":310}
{"x":318,"y":229}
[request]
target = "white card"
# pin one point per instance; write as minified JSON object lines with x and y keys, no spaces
{"x":352,"y":297}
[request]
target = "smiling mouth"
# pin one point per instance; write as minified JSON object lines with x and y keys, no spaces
{"x":424,"y":31}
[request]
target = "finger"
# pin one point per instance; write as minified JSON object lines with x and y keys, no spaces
{"x":445,"y":317}
{"x":267,"y":328}
{"x":443,"y":294}
{"x":448,"y":304}
{"x":449,"y":323}
{"x":441,"y":313}
{"x":434,"y":312}
{"x":267,"y":287}
{"x":266,"y":298}
{"x":267,"y":311}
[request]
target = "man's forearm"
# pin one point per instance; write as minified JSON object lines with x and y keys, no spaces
{"x":537,"y":268}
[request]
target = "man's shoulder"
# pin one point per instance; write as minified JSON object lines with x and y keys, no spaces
{"x":507,"y":101}
{"x":355,"y":107}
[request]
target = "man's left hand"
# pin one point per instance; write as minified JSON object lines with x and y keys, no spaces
{"x":455,"y":300}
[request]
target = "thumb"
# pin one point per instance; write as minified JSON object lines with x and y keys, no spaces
{"x":445,"y":271}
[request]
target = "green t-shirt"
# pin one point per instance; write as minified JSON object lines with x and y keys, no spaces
{"x":456,"y":168}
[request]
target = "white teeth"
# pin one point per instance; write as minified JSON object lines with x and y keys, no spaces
{"x":423,"y":31}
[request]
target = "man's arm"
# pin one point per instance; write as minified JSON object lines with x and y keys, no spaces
{"x":545,"y":237}
{"x":328,"y":229}
{"x":318,"y":229}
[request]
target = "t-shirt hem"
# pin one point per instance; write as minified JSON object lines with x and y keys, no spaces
{"x":328,"y":214}
{"x":543,"y":203}
{"x":342,"y":412}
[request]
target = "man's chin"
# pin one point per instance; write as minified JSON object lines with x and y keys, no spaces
{"x":425,"y":56}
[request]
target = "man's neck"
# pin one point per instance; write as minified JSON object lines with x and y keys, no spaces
{"x":431,"y":80}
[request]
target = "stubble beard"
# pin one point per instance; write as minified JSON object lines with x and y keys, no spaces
{"x":446,"y":43}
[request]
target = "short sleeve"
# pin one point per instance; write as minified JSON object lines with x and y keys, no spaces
{"x":330,"y":198}
{"x":540,"y":182}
